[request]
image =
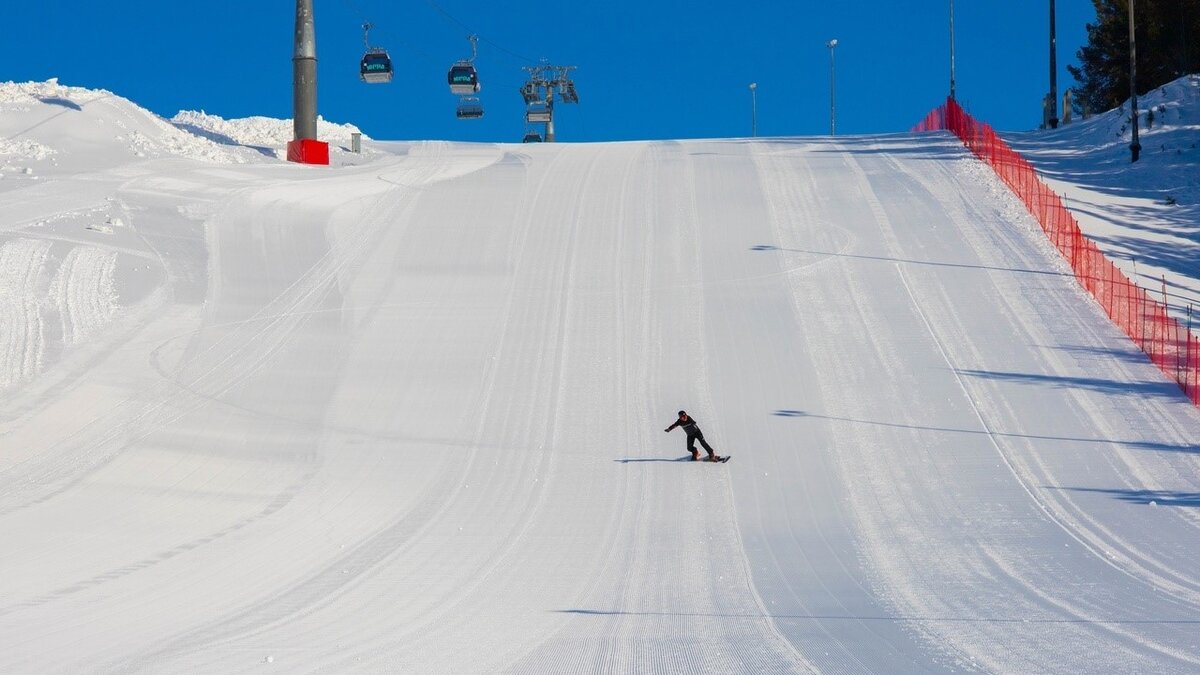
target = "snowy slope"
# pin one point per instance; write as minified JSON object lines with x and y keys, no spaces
{"x":1145,"y":216}
{"x":404,"y":414}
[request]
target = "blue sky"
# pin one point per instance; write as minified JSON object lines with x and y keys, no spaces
{"x":653,"y":69}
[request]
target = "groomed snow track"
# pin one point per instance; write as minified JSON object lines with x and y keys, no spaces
{"x":407,"y":416}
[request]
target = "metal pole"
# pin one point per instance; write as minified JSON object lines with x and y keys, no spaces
{"x":550,"y":112}
{"x":1053,"y":71}
{"x":753,"y":110}
{"x":832,"y":89}
{"x":1134,"y":146}
{"x":304,"y":73}
{"x":952,"y":49}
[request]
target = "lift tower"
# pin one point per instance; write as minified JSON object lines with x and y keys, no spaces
{"x":544,"y":82}
{"x":305,"y":147}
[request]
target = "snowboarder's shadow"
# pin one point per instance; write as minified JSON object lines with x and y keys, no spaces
{"x":631,"y":460}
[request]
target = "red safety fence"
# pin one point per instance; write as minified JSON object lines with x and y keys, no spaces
{"x":1170,"y":345}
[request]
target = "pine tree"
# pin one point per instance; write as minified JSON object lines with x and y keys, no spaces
{"x":1166,"y":34}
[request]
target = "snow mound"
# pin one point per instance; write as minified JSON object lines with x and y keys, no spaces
{"x":41,"y":119}
{"x":22,"y":96}
{"x":25,"y":148}
{"x":1168,"y":120}
{"x":257,"y":132}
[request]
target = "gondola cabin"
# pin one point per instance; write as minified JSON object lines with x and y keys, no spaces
{"x":463,"y":79}
{"x":376,"y":67}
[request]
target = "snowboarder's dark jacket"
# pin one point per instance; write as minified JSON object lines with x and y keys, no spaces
{"x":689,"y":425}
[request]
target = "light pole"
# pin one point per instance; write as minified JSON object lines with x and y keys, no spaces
{"x":832,"y":89}
{"x":753,"y":110}
{"x":1053,"y":72}
{"x":1134,"y":146}
{"x":952,"y":49}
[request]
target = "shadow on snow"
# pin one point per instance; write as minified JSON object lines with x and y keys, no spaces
{"x":858,"y":617}
{"x":1157,"y":497}
{"x":1141,"y":445}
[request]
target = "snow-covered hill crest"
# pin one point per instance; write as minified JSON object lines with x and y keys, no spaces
{"x":42,"y":123}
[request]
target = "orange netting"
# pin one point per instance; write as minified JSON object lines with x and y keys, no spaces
{"x":1170,"y":345}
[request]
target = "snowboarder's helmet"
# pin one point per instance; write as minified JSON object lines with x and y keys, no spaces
{"x":681,"y":412}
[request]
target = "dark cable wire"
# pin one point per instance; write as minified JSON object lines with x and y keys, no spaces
{"x":453,"y":19}
{"x":506,"y":82}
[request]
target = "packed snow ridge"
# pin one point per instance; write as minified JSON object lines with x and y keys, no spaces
{"x":189,"y":134}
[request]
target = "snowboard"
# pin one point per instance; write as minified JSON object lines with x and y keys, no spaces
{"x":718,"y":459}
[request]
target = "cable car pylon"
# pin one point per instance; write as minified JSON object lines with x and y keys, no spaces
{"x":538,"y":92}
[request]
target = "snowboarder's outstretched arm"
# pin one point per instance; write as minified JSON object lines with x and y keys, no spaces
{"x":672,"y":426}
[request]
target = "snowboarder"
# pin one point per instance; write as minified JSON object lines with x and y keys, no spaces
{"x":693,"y":434}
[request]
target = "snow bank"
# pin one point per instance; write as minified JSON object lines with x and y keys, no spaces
{"x":1145,"y":216}
{"x":39,"y":120}
{"x":1168,"y":121}
{"x":24,"y":95}
{"x":262,"y":132}
{"x":25,"y":148}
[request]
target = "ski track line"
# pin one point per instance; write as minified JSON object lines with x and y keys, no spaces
{"x":1072,"y":609}
{"x":702,"y":372}
{"x":270,"y":509}
{"x":517,"y":662}
{"x":113,"y":574}
{"x":618,"y":643}
{"x":162,"y":396}
{"x":307,"y":593}
{"x":318,"y":591}
{"x":413,"y":633}
{"x":789,"y":197}
{"x":22,"y":330}
{"x":1050,"y":513}
{"x":83,"y":292}
{"x":303,"y":292}
{"x":747,"y":569}
{"x":551,"y":433}
{"x":794,"y":204}
{"x":1104,"y":542}
{"x":875,"y":588}
{"x":616,"y":653}
{"x":229,"y":370}
{"x":701,"y":378}
{"x":1138,"y":470}
{"x":163,"y":399}
{"x":891,"y":592}
{"x":766,"y":649}
{"x":548,"y":379}
{"x":746,"y":654}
